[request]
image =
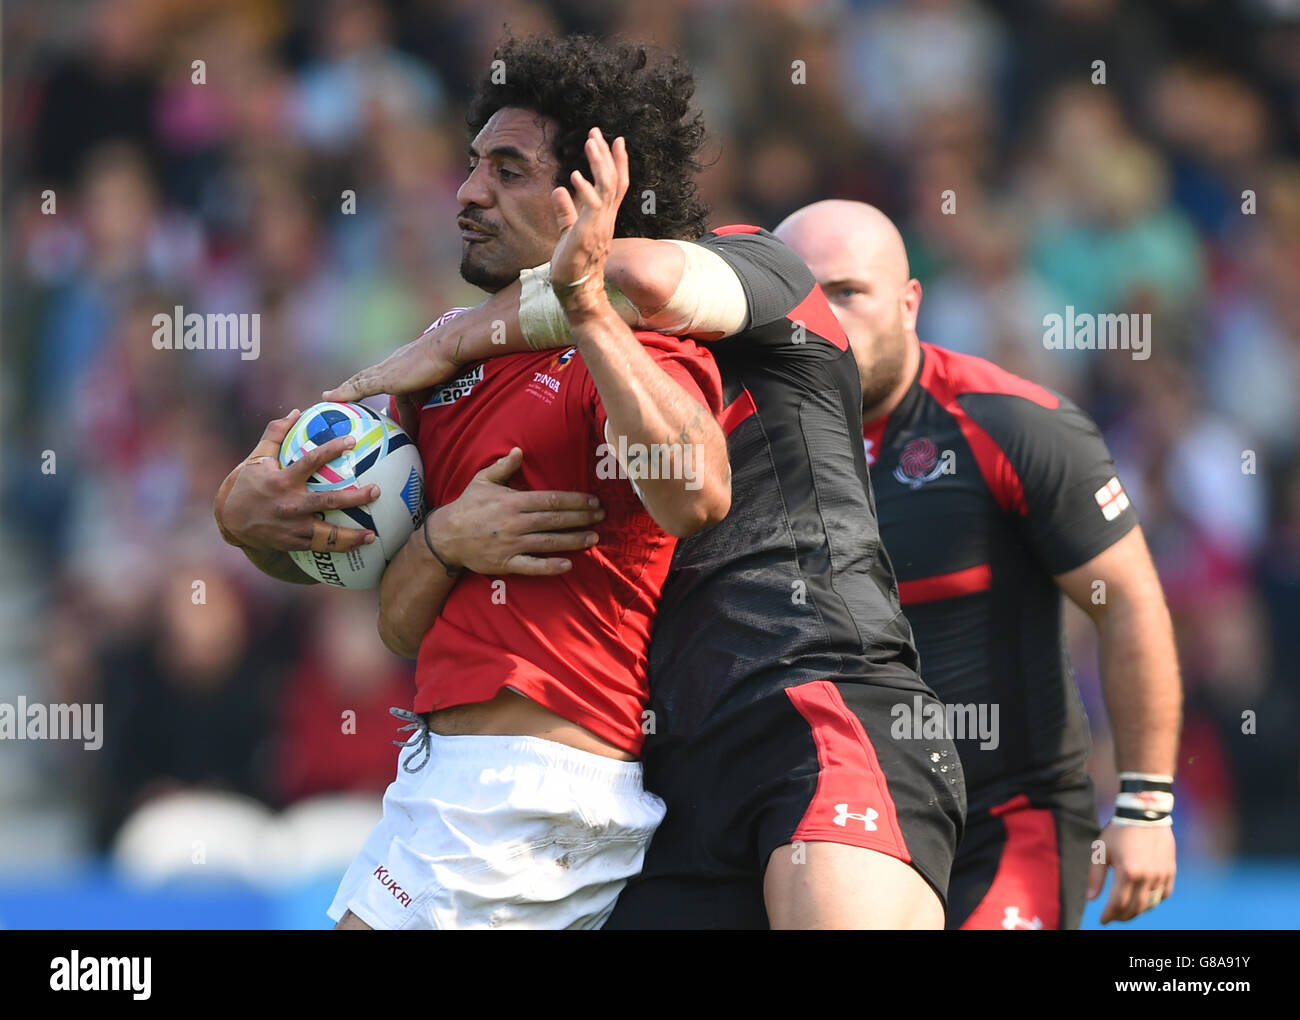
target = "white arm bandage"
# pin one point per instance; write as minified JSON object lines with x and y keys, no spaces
{"x":541,"y":317}
{"x":709,"y":300}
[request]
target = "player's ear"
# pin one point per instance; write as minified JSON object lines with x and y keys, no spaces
{"x":911,"y":301}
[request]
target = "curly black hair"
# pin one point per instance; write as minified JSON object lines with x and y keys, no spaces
{"x":583,"y":83}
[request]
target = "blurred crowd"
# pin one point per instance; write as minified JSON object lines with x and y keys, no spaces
{"x":300,"y":161}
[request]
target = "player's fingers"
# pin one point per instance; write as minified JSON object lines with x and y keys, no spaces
{"x":1120,"y":890}
{"x":1126,"y":898}
{"x":534,"y":566}
{"x":298,"y":534}
{"x":558,"y":541}
{"x":585,"y":194}
{"x":339,"y":499}
{"x":352,"y":388}
{"x":1139,"y":897}
{"x":327,"y":537}
{"x":410,"y":368}
{"x":1146,"y":896}
{"x":1152,"y":896}
{"x":1096,"y":878}
{"x":277,"y":428}
{"x":566,"y":215}
{"x":315,"y":459}
{"x":503,"y":469}
{"x":604,"y":176}
{"x":369,"y":381}
{"x":537,"y":501}
{"x":273,"y":435}
{"x":621,"y":167}
{"x":561,"y":520}
{"x":1166,"y":885}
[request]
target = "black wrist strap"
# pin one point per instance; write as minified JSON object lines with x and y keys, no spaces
{"x":451,"y":571}
{"x":1145,"y":786}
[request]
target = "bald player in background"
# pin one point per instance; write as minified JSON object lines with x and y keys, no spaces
{"x":996,"y":495}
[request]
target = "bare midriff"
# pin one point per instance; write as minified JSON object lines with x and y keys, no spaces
{"x":510,"y":714}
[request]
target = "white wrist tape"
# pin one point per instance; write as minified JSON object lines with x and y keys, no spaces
{"x":541,"y":316}
{"x":1144,"y":777}
{"x":709,"y":300}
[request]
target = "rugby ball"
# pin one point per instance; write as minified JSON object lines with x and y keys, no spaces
{"x":384,"y":456}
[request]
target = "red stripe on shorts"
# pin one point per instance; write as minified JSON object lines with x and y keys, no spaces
{"x":852,"y":804}
{"x":1026,"y":891}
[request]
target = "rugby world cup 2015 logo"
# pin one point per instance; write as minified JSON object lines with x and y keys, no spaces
{"x":920,"y":463}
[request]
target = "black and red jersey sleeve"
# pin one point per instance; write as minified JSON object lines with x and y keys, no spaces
{"x":1074,"y":506}
{"x":780,"y":289}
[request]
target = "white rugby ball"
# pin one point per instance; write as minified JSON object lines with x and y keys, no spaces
{"x":384,"y":456}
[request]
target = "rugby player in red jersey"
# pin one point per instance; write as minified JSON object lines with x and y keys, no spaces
{"x":779,"y":643}
{"x":996,"y":495}
{"x":521,"y":803}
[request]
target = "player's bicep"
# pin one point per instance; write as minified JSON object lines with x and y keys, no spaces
{"x":1118,"y":573}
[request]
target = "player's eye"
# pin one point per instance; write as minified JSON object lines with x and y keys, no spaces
{"x":507,"y":174}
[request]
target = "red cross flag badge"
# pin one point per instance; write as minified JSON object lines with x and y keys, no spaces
{"x":1112,"y":499}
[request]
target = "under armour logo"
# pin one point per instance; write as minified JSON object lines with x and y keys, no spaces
{"x":868,"y":820}
{"x":1012,"y":920}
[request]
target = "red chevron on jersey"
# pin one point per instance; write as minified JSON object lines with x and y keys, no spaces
{"x":815,"y":313}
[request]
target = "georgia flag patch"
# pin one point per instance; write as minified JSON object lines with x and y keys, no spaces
{"x":1112,"y":499}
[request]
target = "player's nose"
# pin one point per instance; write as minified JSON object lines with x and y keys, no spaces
{"x":474,"y":190}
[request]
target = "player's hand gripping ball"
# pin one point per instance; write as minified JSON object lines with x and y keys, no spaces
{"x":385,"y":456}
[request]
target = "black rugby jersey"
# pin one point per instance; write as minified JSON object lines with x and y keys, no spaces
{"x":986,"y":486}
{"x":793,"y":585}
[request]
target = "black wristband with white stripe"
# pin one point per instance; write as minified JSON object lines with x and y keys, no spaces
{"x":1144,"y":799}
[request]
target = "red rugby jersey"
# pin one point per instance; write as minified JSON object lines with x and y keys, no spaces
{"x":577,"y":643}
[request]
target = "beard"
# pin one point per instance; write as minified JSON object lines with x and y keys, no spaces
{"x":486,"y":277}
{"x":886,"y":370}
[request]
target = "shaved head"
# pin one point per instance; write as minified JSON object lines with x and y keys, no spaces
{"x":845,"y":236}
{"x":858,"y":256}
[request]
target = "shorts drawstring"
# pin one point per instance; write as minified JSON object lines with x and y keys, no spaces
{"x":420,"y":737}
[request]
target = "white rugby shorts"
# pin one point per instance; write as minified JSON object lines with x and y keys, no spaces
{"x":501,"y":832}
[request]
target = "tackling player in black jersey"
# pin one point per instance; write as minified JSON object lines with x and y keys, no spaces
{"x":780,"y":652}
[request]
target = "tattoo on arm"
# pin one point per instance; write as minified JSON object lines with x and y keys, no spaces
{"x":684,"y":437}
